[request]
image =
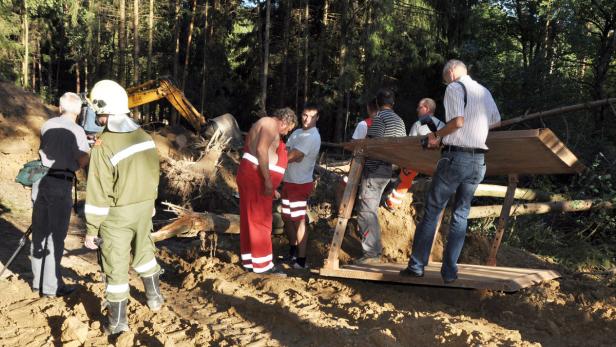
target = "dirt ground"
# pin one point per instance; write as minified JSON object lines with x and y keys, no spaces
{"x":214,"y":302}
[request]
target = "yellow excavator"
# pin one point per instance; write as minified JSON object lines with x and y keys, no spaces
{"x":154,"y":90}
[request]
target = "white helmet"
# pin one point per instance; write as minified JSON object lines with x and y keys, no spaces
{"x":109,"y":98}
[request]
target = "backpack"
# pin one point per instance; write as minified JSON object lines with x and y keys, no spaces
{"x":31,"y":172}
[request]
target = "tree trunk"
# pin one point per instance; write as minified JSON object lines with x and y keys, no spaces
{"x":176,"y":56}
{"x":493,"y":211}
{"x":285,"y":52}
{"x":204,"y":67}
{"x":188,"y":41}
{"x":77,"y":78}
{"x":306,"y":35}
{"x":323,"y":36}
{"x":135,"y":41}
{"x":265,"y":65}
{"x":342,"y":84}
{"x":25,"y":42}
{"x":150,"y":38}
{"x":122,"y":43}
{"x":40,"y":65}
{"x":85,"y":75}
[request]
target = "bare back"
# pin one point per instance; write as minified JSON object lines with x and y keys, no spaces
{"x":264,"y":132}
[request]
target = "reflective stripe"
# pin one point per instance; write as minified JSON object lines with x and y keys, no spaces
{"x":262,"y":259}
{"x":127,"y":152}
{"x":273,"y":167}
{"x":285,"y":202}
{"x":147,"y":266}
{"x":286,"y":210}
{"x":398,"y":194}
{"x":95,"y":210}
{"x":262,"y":269}
{"x":394,"y":200}
{"x":297,"y":204}
{"x":248,"y":266}
{"x":298,"y":213}
{"x":246,"y":256}
{"x":117,"y":288}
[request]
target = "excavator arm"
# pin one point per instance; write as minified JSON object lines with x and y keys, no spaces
{"x":154,"y":90}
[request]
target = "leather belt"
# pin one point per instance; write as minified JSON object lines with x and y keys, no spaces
{"x":450,"y":148}
{"x":61,"y":177}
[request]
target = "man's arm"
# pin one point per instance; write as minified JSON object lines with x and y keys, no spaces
{"x":266,"y":136}
{"x":295,"y":156}
{"x":452,"y":126}
{"x":83,"y":160}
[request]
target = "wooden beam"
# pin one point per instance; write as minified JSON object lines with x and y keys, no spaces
{"x":492,"y":211}
{"x":346,"y":207}
{"x":502,"y":220}
{"x":498,"y":191}
{"x":189,"y":224}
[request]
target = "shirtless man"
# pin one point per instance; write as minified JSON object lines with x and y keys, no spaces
{"x":260,"y":173}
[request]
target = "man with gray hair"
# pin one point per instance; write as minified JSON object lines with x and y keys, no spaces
{"x":470,"y":112}
{"x":63,"y":150}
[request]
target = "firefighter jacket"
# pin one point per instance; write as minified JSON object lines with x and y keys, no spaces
{"x":124,"y":170}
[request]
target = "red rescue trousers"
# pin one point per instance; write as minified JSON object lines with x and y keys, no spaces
{"x":256,"y":210}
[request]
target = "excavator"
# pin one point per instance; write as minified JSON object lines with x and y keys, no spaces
{"x":154,"y":90}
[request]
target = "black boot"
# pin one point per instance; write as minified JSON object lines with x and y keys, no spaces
{"x":151,"y":284}
{"x":116,"y":315}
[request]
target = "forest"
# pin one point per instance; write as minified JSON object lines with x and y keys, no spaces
{"x":249,"y":57}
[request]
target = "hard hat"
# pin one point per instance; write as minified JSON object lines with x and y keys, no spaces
{"x":109,"y":98}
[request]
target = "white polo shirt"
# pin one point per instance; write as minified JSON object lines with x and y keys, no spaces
{"x":308,"y":142}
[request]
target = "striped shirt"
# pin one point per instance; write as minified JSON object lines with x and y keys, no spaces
{"x":479,"y":114}
{"x":385,"y":124}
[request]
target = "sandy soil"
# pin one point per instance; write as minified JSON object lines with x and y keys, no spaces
{"x":212,"y":301}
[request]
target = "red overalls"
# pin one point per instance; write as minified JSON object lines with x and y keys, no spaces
{"x":256,"y":209}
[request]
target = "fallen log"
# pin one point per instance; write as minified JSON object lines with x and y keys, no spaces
{"x":190,"y":224}
{"x":497,"y":191}
{"x":540,"y":208}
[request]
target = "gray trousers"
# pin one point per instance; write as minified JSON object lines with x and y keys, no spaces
{"x":372,"y":186}
{"x":50,"y":218}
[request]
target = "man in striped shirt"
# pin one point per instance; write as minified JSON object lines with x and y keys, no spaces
{"x":375,"y":177}
{"x":122,"y":187}
{"x":470,"y":112}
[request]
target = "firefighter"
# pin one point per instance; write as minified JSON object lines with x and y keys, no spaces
{"x":121,"y":190}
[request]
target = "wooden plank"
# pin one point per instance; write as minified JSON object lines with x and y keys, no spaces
{"x":549,"y":154}
{"x":502,"y":220}
{"x":346,"y":207}
{"x":469,"y":276}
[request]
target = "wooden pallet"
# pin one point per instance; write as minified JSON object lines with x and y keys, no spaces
{"x":507,"y":279}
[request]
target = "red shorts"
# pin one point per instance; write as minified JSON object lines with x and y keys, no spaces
{"x":294,"y":198}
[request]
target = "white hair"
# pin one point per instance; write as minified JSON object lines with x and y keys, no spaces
{"x":429,"y":103}
{"x":453,"y":64}
{"x":70,"y":103}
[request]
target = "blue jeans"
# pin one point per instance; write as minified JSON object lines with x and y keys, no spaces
{"x":372,"y":186}
{"x":459,"y":173}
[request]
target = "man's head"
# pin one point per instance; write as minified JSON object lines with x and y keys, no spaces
{"x":453,"y":70}
{"x":110,"y":102}
{"x":425,"y":107}
{"x":287,"y":119}
{"x":70,"y":104}
{"x":385,"y":98}
{"x":372,"y":108}
{"x":310,"y":116}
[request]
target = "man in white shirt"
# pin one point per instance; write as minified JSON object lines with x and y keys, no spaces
{"x":361,"y":130}
{"x":470,"y":111}
{"x":303,"y":146}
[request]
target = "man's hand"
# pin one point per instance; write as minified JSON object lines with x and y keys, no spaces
{"x":434,"y":142}
{"x":276,"y":195}
{"x":89,"y":242}
{"x":268,"y":190}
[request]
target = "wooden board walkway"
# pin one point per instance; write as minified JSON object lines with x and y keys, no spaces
{"x":507,"y":279}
